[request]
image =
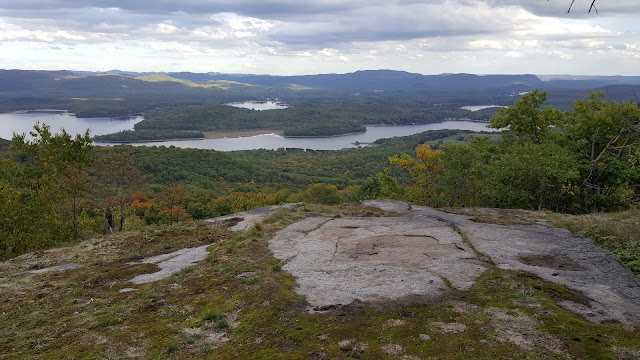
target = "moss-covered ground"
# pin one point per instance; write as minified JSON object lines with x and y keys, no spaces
{"x":239,"y":303}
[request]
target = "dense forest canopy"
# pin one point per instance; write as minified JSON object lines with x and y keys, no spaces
{"x":314,"y":120}
{"x":584,"y":160}
{"x":575,"y":158}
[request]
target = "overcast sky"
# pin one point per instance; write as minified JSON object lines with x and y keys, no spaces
{"x":288,"y":37}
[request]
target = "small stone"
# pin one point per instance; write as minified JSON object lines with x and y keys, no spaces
{"x":425,"y":337}
{"x":346,"y":344}
{"x":126,"y":290}
{"x":245,"y":275}
{"x":629,"y":327}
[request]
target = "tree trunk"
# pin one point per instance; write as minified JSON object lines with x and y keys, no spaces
{"x":108,"y":220}
{"x":121,"y":213}
{"x":75,"y":219}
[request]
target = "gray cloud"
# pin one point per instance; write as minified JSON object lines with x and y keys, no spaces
{"x":313,"y":22}
{"x":327,"y":30}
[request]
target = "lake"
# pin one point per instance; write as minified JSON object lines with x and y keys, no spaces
{"x":274,"y":142}
{"x":23,"y":123}
{"x":480,"y":107}
{"x":259,"y":105}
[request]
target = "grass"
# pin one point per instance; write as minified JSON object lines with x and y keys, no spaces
{"x":216,"y":318}
{"x":80,"y":313}
{"x":105,"y":322}
{"x":618,"y":233}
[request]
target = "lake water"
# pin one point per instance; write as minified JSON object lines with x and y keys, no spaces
{"x":23,"y":123}
{"x":480,"y":107}
{"x":259,"y":105}
{"x":274,"y":142}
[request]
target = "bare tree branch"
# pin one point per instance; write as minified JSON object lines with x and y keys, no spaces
{"x":592,"y":7}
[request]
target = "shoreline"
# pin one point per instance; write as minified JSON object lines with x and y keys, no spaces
{"x":250,"y":133}
{"x":66,"y":112}
{"x":124,"y":142}
{"x":237,"y":134}
{"x":322,"y":136}
{"x":41,"y":111}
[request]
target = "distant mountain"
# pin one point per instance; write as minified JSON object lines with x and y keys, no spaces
{"x":401,"y":80}
{"x":375,"y":80}
{"x":366,"y":80}
{"x":18,"y":80}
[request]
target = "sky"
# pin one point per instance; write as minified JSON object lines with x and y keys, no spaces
{"x":293,"y":37}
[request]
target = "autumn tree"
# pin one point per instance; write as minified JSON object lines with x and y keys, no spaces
{"x":424,"y":170}
{"x":176,"y":196}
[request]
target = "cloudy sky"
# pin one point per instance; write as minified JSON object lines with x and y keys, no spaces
{"x":288,"y":37}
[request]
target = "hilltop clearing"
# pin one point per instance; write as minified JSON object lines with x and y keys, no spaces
{"x":378,"y":280}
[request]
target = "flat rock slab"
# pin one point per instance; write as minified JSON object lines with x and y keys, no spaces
{"x":338,"y":261}
{"x":388,"y":205}
{"x":373,"y":259}
{"x":171,"y":263}
{"x":557,"y":256}
{"x":62,"y":267}
{"x":248,"y":219}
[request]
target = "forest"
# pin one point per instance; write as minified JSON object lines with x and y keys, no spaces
{"x":55,"y":188}
{"x":303,"y":120}
{"x":148,"y":135}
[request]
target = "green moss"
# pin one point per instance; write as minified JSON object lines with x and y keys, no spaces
{"x":105,"y":322}
{"x":269,"y":320}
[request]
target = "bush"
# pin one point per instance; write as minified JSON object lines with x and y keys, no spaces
{"x":322,"y":194}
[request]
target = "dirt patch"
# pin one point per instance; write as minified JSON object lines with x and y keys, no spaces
{"x":463,"y":307}
{"x":391,"y":349}
{"x":353,"y":347}
{"x":394,"y":323}
{"x":448,"y":328}
{"x":519,"y":329}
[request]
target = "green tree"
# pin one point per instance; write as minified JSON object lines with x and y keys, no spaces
{"x":76,"y":184}
{"x":461,"y":176}
{"x":34,"y":188}
{"x":531,"y":176}
{"x":605,"y":137}
{"x":527,"y":120}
